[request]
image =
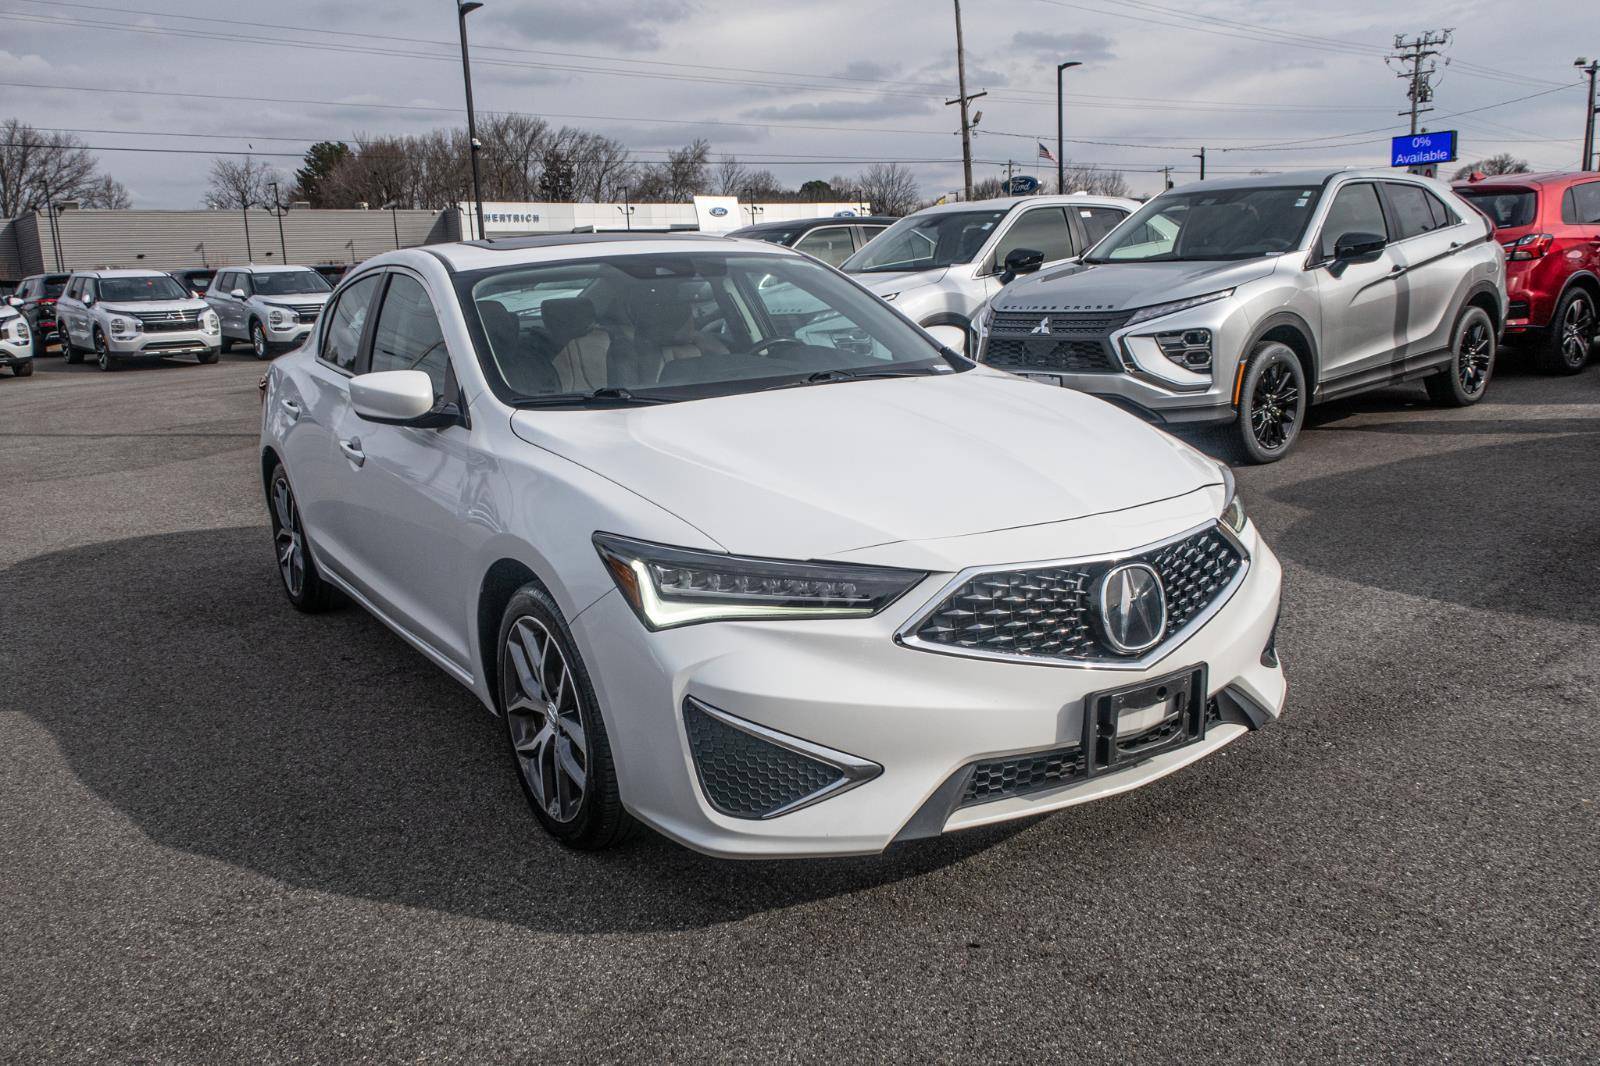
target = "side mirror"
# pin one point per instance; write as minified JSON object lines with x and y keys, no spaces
{"x":1021,"y":261}
{"x":88,"y":299}
{"x":1357,"y":247}
{"x":238,"y":294}
{"x":401,"y":398}
{"x":14,"y":301}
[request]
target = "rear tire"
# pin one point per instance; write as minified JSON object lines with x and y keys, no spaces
{"x":1564,"y":347}
{"x":554,"y":730}
{"x":1272,"y":404}
{"x":1466,"y":377}
{"x":69,"y":351}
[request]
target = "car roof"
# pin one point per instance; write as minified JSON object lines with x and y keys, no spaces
{"x":123,"y":273}
{"x":1005,"y":203}
{"x":263,"y":268}
{"x":1542,"y":177}
{"x":784,"y":225}
{"x":556,"y":247}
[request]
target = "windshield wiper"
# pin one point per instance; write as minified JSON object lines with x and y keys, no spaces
{"x":611,"y":396}
{"x":824,"y":377}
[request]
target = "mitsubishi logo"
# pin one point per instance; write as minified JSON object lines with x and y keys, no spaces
{"x":174,"y":315}
{"x":1132,"y":608}
{"x":1043,"y":328}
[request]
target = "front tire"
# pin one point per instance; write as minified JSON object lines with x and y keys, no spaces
{"x":1564,"y":347}
{"x":210,"y":355}
{"x":102,"y":352}
{"x":1272,"y":404}
{"x":556,"y":736}
{"x":304,"y":586}
{"x":23,"y":369}
{"x":1465,"y":379}
{"x":258,"y":340}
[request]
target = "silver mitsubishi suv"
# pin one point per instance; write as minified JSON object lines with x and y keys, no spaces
{"x":272,"y":307}
{"x":1240,"y":302}
{"x":124,"y":314}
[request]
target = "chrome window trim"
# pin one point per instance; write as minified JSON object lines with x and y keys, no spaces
{"x":856,"y":771}
{"x":906,"y":635}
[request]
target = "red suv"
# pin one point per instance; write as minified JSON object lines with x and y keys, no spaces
{"x":1549,"y":225}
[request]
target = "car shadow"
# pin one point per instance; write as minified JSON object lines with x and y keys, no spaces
{"x":324,"y":752}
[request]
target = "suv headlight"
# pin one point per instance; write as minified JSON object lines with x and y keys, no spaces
{"x":1233,"y":515}
{"x":677,"y":586}
{"x":210,"y":323}
{"x":125,"y":327}
{"x":1144,"y":314}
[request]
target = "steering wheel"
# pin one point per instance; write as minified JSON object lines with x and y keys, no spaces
{"x":772,"y":342}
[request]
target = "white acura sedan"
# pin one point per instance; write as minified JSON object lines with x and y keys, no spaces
{"x":739,"y":552}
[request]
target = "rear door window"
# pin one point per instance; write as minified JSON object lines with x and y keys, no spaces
{"x":1413,"y":214}
{"x":831,"y":244}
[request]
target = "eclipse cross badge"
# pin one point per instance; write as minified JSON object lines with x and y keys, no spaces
{"x":1132,"y":608}
{"x":1043,"y":328}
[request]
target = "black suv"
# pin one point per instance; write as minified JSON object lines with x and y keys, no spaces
{"x":36,"y":299}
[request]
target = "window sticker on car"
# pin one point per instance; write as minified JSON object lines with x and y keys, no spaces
{"x":1305,"y":198}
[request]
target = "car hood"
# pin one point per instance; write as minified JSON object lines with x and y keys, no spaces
{"x":296,"y":299}
{"x":811,"y":472}
{"x":1124,"y":286}
{"x":901,"y":280}
{"x":145,"y":307}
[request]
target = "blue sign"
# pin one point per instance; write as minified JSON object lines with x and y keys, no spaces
{"x":1420,"y":149}
{"x":844,"y":214}
{"x":1023,"y":185}
{"x":718,"y":212}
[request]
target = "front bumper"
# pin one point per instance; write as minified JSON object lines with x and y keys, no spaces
{"x":291,"y":333}
{"x":848,"y":688}
{"x":187,"y":342}
{"x":12,"y":354}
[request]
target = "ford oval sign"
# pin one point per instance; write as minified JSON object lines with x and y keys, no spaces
{"x":718,"y":212}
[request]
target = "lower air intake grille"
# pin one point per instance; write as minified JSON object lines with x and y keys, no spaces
{"x":744,"y":776}
{"x":1022,"y":774}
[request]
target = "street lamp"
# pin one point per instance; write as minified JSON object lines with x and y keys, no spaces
{"x":278,"y":211}
{"x":1589,"y":68}
{"x":463,"y":9}
{"x":1061,"y":127}
{"x":390,"y":207}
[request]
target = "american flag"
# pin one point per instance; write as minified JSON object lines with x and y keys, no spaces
{"x":1045,"y":153}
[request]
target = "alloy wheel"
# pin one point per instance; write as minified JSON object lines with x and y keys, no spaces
{"x":102,"y":351}
{"x":1577,"y":331}
{"x":544,"y":715}
{"x":258,"y":340}
{"x":1475,"y":353}
{"x":1274,"y":407}
{"x":288,"y":537}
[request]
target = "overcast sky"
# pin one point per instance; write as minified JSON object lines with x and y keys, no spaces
{"x":804,"y":89}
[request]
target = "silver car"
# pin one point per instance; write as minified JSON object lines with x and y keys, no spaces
{"x":271,"y":307}
{"x":123,"y":314}
{"x":1240,"y":302}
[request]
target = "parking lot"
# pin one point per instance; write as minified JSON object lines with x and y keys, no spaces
{"x":232,"y":832}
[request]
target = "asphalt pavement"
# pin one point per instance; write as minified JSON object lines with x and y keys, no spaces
{"x":233,"y":833}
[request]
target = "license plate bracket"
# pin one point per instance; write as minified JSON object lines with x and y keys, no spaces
{"x":1122,"y":726}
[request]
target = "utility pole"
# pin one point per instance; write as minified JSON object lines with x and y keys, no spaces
{"x":1010,"y":165}
{"x":963,"y":100}
{"x":278,"y":209}
{"x":1588,"y":115}
{"x":1166,"y":178}
{"x":1411,"y":55}
{"x":1200,"y":155}
{"x":55,"y":226}
{"x":1061,"y":128}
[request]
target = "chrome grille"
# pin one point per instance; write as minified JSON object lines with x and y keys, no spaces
{"x":307,"y":312}
{"x":1076,"y":342}
{"x":168,"y":321}
{"x":1048,"y":613}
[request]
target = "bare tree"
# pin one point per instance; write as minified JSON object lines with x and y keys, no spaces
{"x":241,"y":183}
{"x":685,"y":172}
{"x":31,"y":162}
{"x":732,"y":176}
{"x":1092,"y":179}
{"x":889,"y":187}
{"x":1504,"y":163}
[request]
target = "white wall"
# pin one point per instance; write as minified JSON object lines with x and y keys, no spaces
{"x":505,"y":219}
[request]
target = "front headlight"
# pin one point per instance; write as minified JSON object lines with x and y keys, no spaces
{"x":1233,"y":515}
{"x":125,"y":327}
{"x":210,"y":323}
{"x":677,"y":586}
{"x":1144,"y":314}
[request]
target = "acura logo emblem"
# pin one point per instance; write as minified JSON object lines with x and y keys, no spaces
{"x":1042,"y":328}
{"x":1132,"y":608}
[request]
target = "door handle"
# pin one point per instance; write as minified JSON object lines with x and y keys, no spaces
{"x":352,"y":450}
{"x":290,"y":408}
{"x":1397,"y":271}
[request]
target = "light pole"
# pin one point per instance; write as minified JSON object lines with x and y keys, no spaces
{"x":244,"y":213}
{"x":277,"y":212}
{"x":1061,"y":128}
{"x":463,"y":9}
{"x":390,"y":207}
{"x":1589,"y":68}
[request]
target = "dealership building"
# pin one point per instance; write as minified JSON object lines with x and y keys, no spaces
{"x":71,"y":238}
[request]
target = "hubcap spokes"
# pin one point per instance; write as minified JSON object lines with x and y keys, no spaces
{"x":542,"y":709}
{"x":1274,"y":407}
{"x":1477,"y":351}
{"x":1576,"y":330}
{"x":290,"y":544}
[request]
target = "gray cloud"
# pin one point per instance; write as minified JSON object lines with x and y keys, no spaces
{"x":841,"y":110}
{"x":1087,"y":47}
{"x":630,"y":26}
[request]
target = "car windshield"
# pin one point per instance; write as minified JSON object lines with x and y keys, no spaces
{"x":682,"y":326}
{"x":53,"y":286}
{"x":1196,"y":225}
{"x":136,"y":290}
{"x":1506,"y":208}
{"x":925,"y":242}
{"x":288,"y":283}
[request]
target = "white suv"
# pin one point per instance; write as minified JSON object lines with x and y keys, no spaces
{"x":272,"y":307}
{"x":16,"y":341}
{"x":120,"y":314}
{"x":940,"y":265}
